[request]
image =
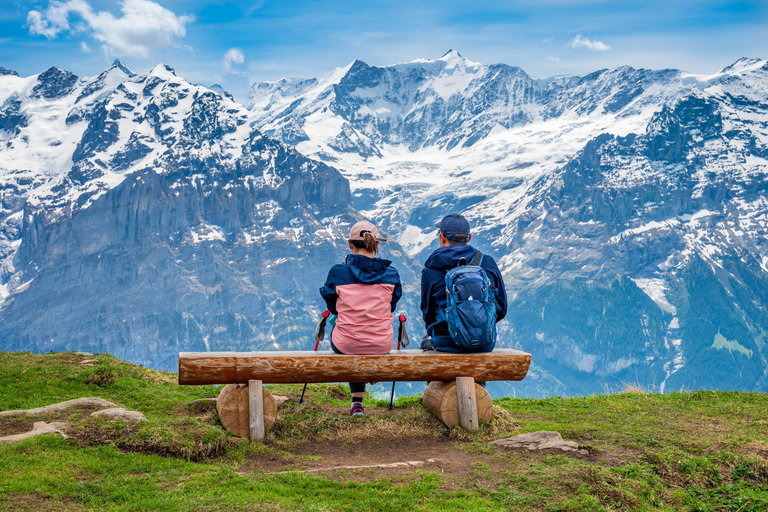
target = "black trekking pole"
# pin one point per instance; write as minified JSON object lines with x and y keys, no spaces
{"x":402,"y":339}
{"x":319,"y":336}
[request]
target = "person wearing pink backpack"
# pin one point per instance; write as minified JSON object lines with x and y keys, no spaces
{"x":362,"y":292}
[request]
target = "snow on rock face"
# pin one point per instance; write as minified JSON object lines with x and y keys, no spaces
{"x":626,"y":209}
{"x":573,"y":183}
{"x":143,"y":215}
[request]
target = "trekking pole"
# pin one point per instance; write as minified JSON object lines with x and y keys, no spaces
{"x":319,"y":336}
{"x":402,"y":339}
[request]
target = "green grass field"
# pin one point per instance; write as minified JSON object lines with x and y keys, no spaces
{"x":701,"y":450}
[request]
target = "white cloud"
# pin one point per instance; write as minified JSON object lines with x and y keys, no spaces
{"x":553,"y":58}
{"x":143,"y":26}
{"x":255,"y":6}
{"x":583,"y":42}
{"x":233,"y":56}
{"x":85,"y":48}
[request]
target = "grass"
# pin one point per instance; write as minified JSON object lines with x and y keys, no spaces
{"x":699,"y":451}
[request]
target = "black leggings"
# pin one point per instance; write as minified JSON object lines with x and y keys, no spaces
{"x":354,"y":387}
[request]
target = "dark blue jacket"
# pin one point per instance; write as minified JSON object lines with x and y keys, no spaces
{"x":358,"y":269}
{"x":433,"y":286}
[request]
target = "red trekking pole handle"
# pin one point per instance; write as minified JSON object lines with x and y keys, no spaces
{"x":401,"y":331}
{"x":320,"y":330}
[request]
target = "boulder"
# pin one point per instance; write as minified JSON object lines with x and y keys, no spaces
{"x":541,"y":440}
{"x":120,"y":413}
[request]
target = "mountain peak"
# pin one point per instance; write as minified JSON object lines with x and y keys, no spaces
{"x":451,"y":55}
{"x":743,"y":65}
{"x":163,"y":71}
{"x":119,"y":64}
{"x":218,"y":89}
{"x":6,"y":71}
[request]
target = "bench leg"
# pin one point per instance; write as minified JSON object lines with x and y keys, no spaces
{"x":256,"y":410}
{"x":465,"y":391}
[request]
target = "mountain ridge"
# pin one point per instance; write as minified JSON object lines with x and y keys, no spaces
{"x":623,"y":176}
{"x":607,"y":199}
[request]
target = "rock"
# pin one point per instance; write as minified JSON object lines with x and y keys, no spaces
{"x":541,"y":440}
{"x":120,"y":413}
{"x":98,"y":402}
{"x":38,"y":428}
{"x":280,"y":399}
{"x":83,"y":353}
{"x":89,"y":361}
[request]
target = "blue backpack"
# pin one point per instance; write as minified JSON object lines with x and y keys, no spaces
{"x":471,"y":306}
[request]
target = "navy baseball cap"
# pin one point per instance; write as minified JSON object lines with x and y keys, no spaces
{"x":454,"y":227}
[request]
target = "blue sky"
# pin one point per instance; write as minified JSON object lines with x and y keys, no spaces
{"x":237,"y":43}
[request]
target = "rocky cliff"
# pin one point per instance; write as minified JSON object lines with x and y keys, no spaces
{"x":144,"y":216}
{"x":627,"y":207}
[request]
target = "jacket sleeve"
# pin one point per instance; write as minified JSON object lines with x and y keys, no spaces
{"x":328,"y":291}
{"x":397,"y":293}
{"x":500,"y":293}
{"x":428,"y":303}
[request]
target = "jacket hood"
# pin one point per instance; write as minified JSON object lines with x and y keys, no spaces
{"x":367,"y":270}
{"x":446,"y":258}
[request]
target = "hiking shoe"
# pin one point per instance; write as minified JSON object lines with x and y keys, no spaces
{"x":357,"y":409}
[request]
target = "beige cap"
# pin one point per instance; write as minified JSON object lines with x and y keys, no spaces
{"x":361,"y":228}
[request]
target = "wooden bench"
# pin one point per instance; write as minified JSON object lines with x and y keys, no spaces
{"x":452,"y":394}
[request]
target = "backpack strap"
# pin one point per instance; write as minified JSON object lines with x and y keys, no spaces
{"x":477,"y":260}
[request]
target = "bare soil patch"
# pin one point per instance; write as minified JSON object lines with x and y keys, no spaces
{"x":614,"y":455}
{"x":189,"y":441}
{"x":15,"y":425}
{"x":40,"y":503}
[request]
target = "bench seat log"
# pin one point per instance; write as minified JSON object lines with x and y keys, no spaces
{"x":279,"y":367}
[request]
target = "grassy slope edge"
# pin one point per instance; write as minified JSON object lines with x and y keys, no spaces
{"x":700,"y":450}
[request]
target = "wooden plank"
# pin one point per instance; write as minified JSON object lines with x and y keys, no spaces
{"x":256,"y":410}
{"x":198,"y":368}
{"x":465,"y":393}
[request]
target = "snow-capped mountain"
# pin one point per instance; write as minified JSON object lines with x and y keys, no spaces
{"x":627,"y":207}
{"x":144,"y":215}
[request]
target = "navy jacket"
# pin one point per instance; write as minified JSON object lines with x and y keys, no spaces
{"x":433,"y":284}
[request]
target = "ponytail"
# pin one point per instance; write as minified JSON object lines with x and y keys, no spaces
{"x":370,"y":244}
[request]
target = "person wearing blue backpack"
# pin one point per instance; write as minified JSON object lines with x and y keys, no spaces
{"x":462,"y":293}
